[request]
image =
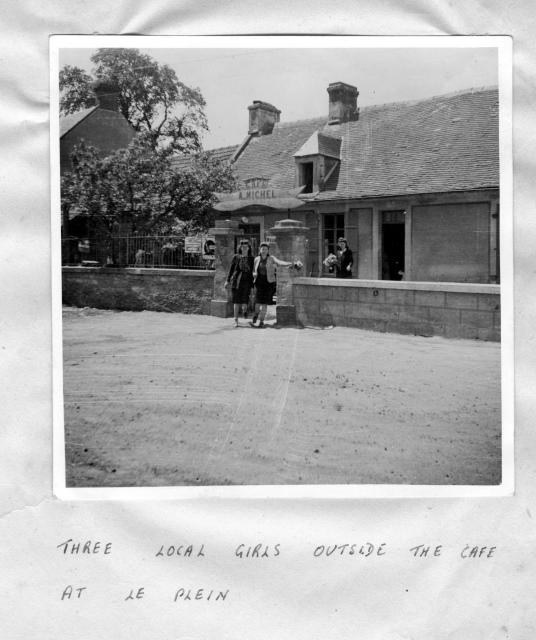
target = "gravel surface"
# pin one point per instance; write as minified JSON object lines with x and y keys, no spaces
{"x":157,"y":399}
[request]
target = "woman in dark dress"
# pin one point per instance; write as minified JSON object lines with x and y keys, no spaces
{"x":345,"y":260}
{"x":240,"y":278}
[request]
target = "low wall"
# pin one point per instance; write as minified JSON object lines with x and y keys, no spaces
{"x":132,"y":289}
{"x":451,"y":310}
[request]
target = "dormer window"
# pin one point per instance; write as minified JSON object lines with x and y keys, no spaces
{"x":316,"y":160}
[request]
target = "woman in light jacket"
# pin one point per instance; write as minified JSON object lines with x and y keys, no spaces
{"x":264,"y":274}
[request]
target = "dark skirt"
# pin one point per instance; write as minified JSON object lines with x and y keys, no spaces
{"x":241,"y":293}
{"x":264,"y":290}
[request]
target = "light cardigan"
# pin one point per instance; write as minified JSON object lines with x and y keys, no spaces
{"x":271,"y":263}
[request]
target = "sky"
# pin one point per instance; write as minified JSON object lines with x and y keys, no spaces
{"x":295,"y":80}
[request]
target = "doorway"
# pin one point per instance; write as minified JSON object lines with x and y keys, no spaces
{"x":252,"y":232}
{"x":393,"y":245}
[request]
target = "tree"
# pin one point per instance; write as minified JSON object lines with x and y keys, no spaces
{"x":141,"y":188}
{"x":152,"y":98}
{"x":76,"y":92}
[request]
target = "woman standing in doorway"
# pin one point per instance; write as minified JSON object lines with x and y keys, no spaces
{"x":345,"y":260}
{"x":240,"y":279}
{"x":264,"y":274}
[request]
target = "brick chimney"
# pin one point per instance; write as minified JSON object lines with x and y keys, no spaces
{"x":262,"y":118}
{"x":107,"y":93}
{"x":342,"y":103}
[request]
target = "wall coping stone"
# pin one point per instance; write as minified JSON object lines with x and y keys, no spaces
{"x":140,"y":271}
{"x":455,"y":287}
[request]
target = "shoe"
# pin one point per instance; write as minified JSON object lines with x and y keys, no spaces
{"x":251,"y":323}
{"x":254,"y":319}
{"x":236,"y":322}
{"x":261,"y":325}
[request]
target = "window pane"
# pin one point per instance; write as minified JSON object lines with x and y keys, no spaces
{"x":333,"y":230}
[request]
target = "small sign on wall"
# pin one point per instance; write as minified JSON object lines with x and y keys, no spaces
{"x":192,"y":244}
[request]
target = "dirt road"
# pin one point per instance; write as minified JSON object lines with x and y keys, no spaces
{"x":156,"y":399}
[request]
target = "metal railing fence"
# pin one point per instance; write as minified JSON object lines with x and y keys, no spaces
{"x":163,"y":251}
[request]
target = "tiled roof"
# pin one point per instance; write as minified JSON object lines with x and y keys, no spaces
{"x":70,"y":121}
{"x":223,"y":154}
{"x":271,"y":156}
{"x":444,"y":143}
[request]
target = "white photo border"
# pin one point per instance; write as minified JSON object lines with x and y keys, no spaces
{"x":504,"y":48}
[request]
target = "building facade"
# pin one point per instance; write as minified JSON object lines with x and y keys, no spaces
{"x":102,"y":126}
{"x":105,"y":128}
{"x":413,"y":186}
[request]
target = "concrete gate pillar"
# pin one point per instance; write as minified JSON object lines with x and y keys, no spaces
{"x":224,"y":233}
{"x":291,"y":245}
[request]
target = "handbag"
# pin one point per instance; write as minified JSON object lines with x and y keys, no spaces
{"x":235,"y":280}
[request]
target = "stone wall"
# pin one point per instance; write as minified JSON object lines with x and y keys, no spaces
{"x":172,"y":290}
{"x":422,"y":308}
{"x":451,"y":310}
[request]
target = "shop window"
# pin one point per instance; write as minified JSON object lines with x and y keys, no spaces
{"x":252,"y":232}
{"x":333,"y":230}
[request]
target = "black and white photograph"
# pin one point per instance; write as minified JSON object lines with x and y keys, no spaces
{"x":268,"y":320}
{"x":282,"y":263}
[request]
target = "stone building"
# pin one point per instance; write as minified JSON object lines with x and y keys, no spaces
{"x":102,"y":126}
{"x":413,"y":186}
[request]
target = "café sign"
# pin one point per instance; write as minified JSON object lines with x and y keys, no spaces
{"x":257,"y":191}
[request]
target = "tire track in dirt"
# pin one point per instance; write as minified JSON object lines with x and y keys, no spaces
{"x":262,"y":401}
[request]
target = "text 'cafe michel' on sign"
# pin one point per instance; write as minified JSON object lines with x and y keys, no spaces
{"x":412,"y":186}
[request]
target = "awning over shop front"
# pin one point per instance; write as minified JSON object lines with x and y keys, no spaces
{"x":262,"y":196}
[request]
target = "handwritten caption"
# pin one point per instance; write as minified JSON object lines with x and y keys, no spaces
{"x":259,"y":551}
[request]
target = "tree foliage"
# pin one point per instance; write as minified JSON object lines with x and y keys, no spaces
{"x":142,"y":187}
{"x":76,"y":91}
{"x":151,"y":97}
